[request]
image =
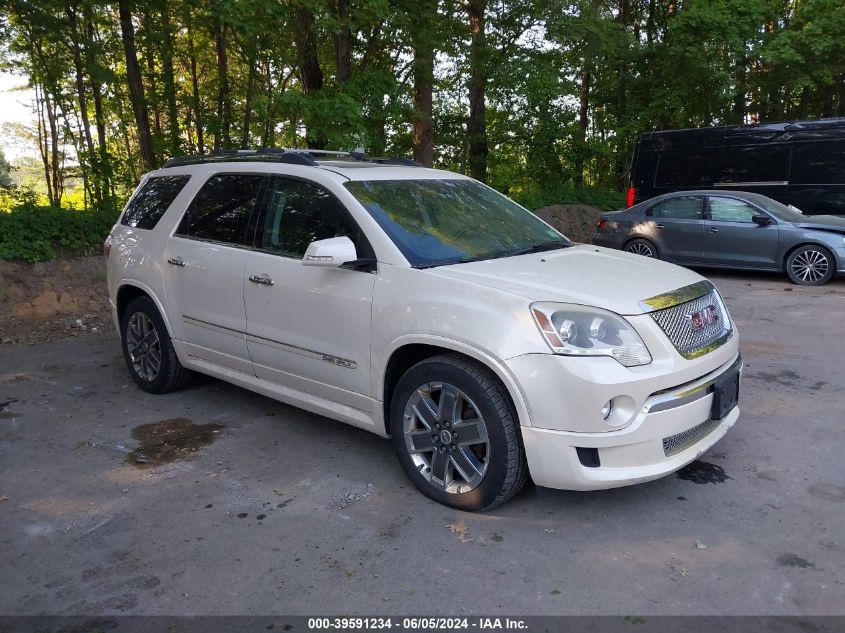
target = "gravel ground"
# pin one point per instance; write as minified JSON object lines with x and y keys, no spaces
{"x":214,"y":500}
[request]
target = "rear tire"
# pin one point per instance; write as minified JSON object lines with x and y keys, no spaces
{"x":642,"y":247}
{"x":810,"y":265}
{"x":148,"y":350}
{"x":456,"y":434}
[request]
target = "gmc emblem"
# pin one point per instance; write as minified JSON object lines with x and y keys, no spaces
{"x":707,"y":316}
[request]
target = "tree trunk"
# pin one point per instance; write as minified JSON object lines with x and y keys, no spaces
{"x":583,"y":122}
{"x":476,"y":124}
{"x":169,"y":82}
{"x":224,"y":108}
{"x":195,"y":88}
{"x":423,"y":69}
{"x":342,"y":41}
{"x":43,"y":143}
{"x":311,"y":76}
{"x":104,"y":163}
{"x":250,"y":89}
{"x":136,"y":87}
{"x":73,"y":18}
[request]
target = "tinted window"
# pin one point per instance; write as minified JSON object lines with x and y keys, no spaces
{"x":731,"y":210}
{"x":149,"y":204}
{"x":683,"y":208}
{"x":222,"y":208}
{"x":299,"y":213}
{"x":438,"y":222}
{"x":819,"y":163}
{"x":756,"y":163}
{"x":689,"y":168}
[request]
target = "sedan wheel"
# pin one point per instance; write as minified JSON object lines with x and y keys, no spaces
{"x":641,"y":247}
{"x":810,"y":266}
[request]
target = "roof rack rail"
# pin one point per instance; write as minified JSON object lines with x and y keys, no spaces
{"x":284,"y":155}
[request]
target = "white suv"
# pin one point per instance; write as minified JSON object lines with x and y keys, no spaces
{"x":422,"y":305}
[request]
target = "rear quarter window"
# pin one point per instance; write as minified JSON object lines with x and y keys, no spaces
{"x":152,"y":200}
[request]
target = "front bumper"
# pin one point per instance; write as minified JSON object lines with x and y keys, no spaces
{"x":669,"y":400}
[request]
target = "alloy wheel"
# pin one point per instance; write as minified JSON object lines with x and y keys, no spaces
{"x":810,"y":266}
{"x":446,"y":437}
{"x":144,"y":346}
{"x":640,"y":248}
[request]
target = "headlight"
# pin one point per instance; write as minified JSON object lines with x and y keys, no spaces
{"x":576,"y":330}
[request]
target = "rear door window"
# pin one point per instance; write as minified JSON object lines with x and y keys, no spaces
{"x":222,"y":209}
{"x":152,"y":200}
{"x":680,"y":208}
{"x":731,"y":210}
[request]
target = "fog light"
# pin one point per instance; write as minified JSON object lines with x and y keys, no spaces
{"x":606,"y":410}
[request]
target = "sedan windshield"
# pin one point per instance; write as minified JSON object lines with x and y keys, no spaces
{"x":437,"y":222}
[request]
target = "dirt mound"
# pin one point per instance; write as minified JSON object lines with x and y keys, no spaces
{"x":576,"y":221}
{"x":51,"y":300}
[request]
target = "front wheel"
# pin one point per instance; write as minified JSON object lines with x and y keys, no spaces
{"x":810,"y":265}
{"x":456,"y":434}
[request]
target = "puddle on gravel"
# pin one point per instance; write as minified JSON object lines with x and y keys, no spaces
{"x":699,"y":472}
{"x":168,"y":440}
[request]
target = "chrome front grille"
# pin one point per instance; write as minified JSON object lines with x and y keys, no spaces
{"x":691,"y":326}
{"x":676,"y":443}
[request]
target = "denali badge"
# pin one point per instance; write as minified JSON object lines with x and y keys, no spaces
{"x":707,"y":316}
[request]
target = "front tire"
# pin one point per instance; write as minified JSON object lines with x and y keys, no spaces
{"x":642,"y":247}
{"x":810,"y":265}
{"x":456,"y":433}
{"x":148,"y":350}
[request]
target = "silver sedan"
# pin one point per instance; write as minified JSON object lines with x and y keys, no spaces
{"x":729,"y":230}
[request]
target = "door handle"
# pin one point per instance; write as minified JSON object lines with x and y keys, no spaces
{"x":176,"y":261}
{"x":658,"y":226}
{"x":261,"y":279}
{"x":713,"y":230}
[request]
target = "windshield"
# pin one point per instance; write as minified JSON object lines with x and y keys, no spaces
{"x":437,"y":222}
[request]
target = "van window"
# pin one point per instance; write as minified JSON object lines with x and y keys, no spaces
{"x":152,"y":200}
{"x":688,"y":168}
{"x":818,"y":163}
{"x":221,"y":210}
{"x":756,"y":163}
{"x":681,"y":208}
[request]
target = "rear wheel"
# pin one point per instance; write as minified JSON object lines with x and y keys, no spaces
{"x":148,"y":350}
{"x":641,"y":247}
{"x":810,"y":265}
{"x":456,"y":434}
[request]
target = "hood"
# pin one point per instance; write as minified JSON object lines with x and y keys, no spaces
{"x":586,"y":275}
{"x":822,"y":222}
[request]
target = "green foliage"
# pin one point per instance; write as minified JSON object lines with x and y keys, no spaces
{"x":34,"y":233}
{"x":5,"y":178}
{"x":536,"y":197}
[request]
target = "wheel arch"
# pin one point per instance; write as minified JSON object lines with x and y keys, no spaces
{"x":407,"y":351}
{"x":795,"y":247}
{"x":129,"y":289}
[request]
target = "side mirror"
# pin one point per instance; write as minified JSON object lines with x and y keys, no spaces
{"x":330,"y":253}
{"x":762,"y":220}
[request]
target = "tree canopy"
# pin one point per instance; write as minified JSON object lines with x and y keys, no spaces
{"x":534,"y":97}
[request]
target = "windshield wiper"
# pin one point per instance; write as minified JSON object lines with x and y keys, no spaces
{"x":449,"y":262}
{"x":539,"y":248}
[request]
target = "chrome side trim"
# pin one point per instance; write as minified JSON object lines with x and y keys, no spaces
{"x":676,"y":297}
{"x":757,"y":183}
{"x":684,"y":394}
{"x":304,"y":351}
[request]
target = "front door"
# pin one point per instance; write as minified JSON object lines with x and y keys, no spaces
{"x":734,"y":239}
{"x":308,"y":327}
{"x":204,"y":264}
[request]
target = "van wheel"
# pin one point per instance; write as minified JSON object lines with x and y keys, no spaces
{"x":456,"y":433}
{"x":810,"y":265}
{"x":148,"y":350}
{"x":642,"y":247}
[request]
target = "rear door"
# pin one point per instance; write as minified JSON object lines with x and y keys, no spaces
{"x":204,"y":278}
{"x":676,"y":226}
{"x":734,"y":239}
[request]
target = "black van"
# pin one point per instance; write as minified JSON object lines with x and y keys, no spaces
{"x":801,"y":163}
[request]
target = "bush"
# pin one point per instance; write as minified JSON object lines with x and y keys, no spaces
{"x":535,"y":198}
{"x":36,"y":233}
